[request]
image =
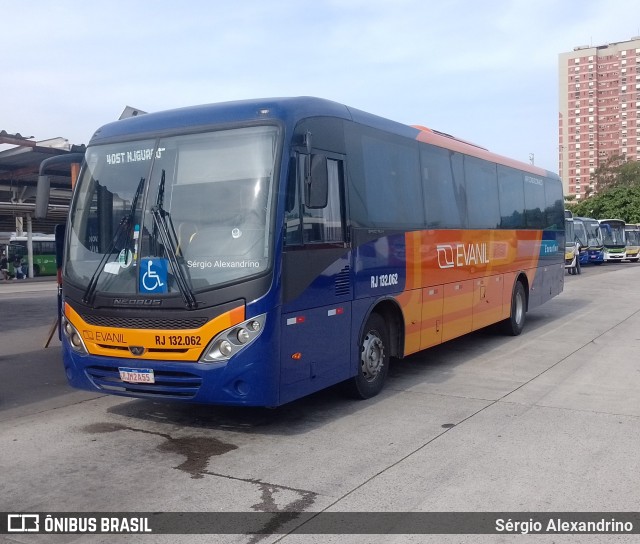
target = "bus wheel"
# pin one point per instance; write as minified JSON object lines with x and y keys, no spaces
{"x":373,"y":364}
{"x":514,"y":324}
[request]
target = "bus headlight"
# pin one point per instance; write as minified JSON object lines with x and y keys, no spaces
{"x":72,"y":334}
{"x":243,"y":336}
{"x":230,"y":341}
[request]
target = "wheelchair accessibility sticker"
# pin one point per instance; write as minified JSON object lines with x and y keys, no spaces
{"x":153,"y":275}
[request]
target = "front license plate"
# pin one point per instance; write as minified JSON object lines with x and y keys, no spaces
{"x":137,"y":375}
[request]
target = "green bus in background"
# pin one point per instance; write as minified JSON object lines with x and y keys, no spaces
{"x":44,"y":255}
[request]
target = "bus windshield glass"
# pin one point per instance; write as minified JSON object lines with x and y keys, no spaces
{"x":197,"y":207}
{"x":569,"y":233}
{"x":632,"y":237}
{"x":594,"y":235}
{"x":580,"y":233}
{"x":613,"y":234}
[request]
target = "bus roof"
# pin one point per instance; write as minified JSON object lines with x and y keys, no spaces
{"x":291,"y":111}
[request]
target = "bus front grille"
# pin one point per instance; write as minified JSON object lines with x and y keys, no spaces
{"x":144,"y":322}
{"x":168,"y":384}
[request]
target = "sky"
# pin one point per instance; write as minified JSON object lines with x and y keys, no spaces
{"x":486,"y":72}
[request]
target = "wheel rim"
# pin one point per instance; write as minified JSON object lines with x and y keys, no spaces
{"x":519,"y":308}
{"x":372,"y":359}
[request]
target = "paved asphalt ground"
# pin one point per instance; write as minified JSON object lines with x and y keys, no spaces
{"x":545,"y":422}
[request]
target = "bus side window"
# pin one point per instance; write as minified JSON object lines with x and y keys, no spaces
{"x":482,"y":193}
{"x":444,"y":189}
{"x":325,"y":224}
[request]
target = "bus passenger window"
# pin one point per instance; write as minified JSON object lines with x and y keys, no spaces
{"x":511,"y":197}
{"x":482,"y":193}
{"x":554,"y":204}
{"x":534,"y":200}
{"x":444,"y":191}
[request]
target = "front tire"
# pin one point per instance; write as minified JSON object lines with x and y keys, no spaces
{"x":373,"y":362}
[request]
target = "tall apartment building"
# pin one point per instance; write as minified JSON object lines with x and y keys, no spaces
{"x":599,"y":110}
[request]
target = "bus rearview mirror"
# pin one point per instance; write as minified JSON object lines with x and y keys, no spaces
{"x":316,"y":182}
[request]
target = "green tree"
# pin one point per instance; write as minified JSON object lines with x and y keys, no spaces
{"x":607,"y":173}
{"x":618,"y":184}
{"x":619,"y":202}
{"x":629,"y":173}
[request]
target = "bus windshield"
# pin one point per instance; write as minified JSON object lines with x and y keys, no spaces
{"x":633,"y":237}
{"x":196,"y":208}
{"x":580,"y":233}
{"x":594,"y":235}
{"x":569,"y":233}
{"x":613,"y":234}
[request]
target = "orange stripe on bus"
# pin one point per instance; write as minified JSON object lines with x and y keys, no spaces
{"x":461,"y":280}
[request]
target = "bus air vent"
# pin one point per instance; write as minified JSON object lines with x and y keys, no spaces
{"x":343,"y":282}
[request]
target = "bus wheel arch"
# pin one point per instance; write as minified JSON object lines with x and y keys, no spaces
{"x":391,"y":313}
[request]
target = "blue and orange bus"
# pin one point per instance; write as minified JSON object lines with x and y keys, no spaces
{"x":590,"y":236}
{"x":254,"y":252}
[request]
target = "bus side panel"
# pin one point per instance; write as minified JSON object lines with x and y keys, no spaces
{"x":432,"y":308}
{"x":315,"y":350}
{"x":454,"y":280}
{"x":411,"y":303}
{"x":457,"y":310}
{"x":546,"y":282}
{"x":458,"y":281}
{"x":488,"y":301}
{"x":315,"y":325}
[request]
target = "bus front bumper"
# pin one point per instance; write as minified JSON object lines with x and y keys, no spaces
{"x":244,"y":380}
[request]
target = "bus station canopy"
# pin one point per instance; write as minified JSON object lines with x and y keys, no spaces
{"x":20,"y":159}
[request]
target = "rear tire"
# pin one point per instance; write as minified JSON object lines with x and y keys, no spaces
{"x":373,"y":361}
{"x":515,"y":323}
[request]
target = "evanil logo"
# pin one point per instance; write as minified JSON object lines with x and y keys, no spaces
{"x":458,"y":255}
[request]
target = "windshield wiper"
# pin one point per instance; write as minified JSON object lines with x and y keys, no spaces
{"x":123,"y":231}
{"x":163,"y":225}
